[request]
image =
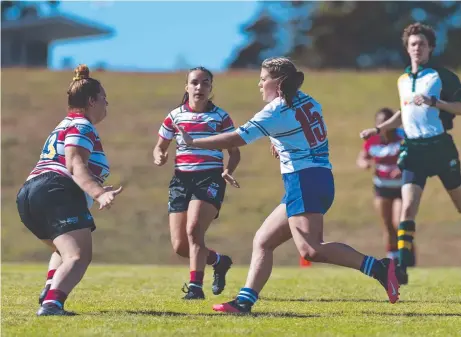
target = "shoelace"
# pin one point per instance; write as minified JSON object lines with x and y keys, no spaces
{"x":185,"y":288}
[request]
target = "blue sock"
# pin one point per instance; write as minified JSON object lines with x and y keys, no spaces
{"x":247,"y":295}
{"x":372,"y":267}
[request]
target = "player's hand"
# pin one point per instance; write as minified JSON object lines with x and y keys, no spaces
{"x":229,"y":179}
{"x":160,"y":158}
{"x":364,"y":164}
{"x":106,"y":200}
{"x":367,"y":133}
{"x":274,"y":152}
{"x":185,"y":136}
{"x":421,"y":99}
{"x":395,"y":173}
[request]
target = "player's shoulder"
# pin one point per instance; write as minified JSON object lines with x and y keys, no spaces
{"x":403,"y":77}
{"x":176,"y":111}
{"x":220,"y":111}
{"x":83,"y":125}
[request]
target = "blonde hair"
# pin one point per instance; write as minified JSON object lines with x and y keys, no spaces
{"x":82,"y":88}
{"x":290,"y":78}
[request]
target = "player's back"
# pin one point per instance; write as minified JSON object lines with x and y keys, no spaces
{"x":299,"y":134}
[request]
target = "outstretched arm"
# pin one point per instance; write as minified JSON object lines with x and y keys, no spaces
{"x":226,"y":140}
{"x":394,"y":122}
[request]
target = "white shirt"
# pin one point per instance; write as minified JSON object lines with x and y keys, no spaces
{"x":420,"y":121}
{"x":299,"y":134}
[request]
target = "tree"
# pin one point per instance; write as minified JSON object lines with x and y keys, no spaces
{"x":261,"y":34}
{"x":357,"y":34}
{"x":22,"y":9}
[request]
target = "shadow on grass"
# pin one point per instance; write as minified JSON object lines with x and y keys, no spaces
{"x":276,"y":314}
{"x":352,"y":300}
{"x":413,"y":314}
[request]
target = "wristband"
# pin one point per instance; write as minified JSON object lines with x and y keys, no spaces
{"x":378,"y":130}
{"x":433,"y":100}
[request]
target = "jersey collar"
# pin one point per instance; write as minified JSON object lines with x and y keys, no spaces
{"x":421,"y":67}
{"x":76,"y":114}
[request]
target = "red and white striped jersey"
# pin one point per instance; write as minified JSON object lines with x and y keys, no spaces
{"x":385,"y":156}
{"x":74,"y":130}
{"x":198,"y":125}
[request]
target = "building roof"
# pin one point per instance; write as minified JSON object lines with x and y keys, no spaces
{"x":57,"y":27}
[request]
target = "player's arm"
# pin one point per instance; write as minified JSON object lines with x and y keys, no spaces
{"x":226,"y":140}
{"x":165,"y":135}
{"x":77,"y":164}
{"x":453,"y":107}
{"x":234,"y":159}
{"x":160,"y":151}
{"x":392,"y":123}
{"x":363,"y":160}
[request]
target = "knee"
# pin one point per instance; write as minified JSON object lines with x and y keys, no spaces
{"x":261,"y":243}
{"x":180,"y":248}
{"x":311,"y":252}
{"x":82,"y":259}
{"x":194,"y":235}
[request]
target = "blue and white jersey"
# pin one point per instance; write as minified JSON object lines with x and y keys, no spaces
{"x":299,"y":134}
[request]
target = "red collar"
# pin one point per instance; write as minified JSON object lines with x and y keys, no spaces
{"x":76,"y":114}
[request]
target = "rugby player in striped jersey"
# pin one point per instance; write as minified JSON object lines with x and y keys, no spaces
{"x":196,"y":191}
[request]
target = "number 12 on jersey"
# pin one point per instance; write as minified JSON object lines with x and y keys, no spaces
{"x":312,"y":124}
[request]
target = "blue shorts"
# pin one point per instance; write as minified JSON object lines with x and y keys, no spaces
{"x":311,"y":190}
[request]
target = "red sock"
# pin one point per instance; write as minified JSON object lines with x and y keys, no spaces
{"x":55,"y":296}
{"x":49,"y":277}
{"x":212,"y":258}
{"x":196,"y":277}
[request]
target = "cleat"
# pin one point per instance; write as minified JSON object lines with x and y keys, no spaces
{"x":233,"y":307}
{"x":219,"y":275}
{"x":193,"y":292}
{"x":392,"y":281}
{"x":42,"y":296}
{"x":50,"y":309}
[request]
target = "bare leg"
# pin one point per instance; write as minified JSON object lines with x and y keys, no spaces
{"x":273,"y":232}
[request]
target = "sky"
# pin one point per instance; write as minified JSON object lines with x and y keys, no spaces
{"x":155,"y":36}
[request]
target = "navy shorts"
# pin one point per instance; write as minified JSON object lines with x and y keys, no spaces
{"x":388,"y":192}
{"x":51,"y":204}
{"x":207,"y":186}
{"x":436,"y":156}
{"x":311,"y":190}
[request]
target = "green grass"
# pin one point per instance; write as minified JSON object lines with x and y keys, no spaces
{"x":136,"y":229}
{"x":317,"y":301}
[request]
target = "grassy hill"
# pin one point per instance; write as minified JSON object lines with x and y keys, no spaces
{"x":136,"y":229}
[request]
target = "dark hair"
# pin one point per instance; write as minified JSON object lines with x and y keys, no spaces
{"x":185,"y":98}
{"x":82,"y":88}
{"x":416,"y":29}
{"x":290,"y":78}
{"x":387,"y":112}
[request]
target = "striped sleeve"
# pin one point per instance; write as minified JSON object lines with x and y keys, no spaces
{"x":257,"y":127}
{"x":227,"y":124}
{"x":167,"y":130}
{"x":81,"y":135}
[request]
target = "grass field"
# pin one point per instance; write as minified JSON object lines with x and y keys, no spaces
{"x":318,"y":301}
{"x":136,"y":229}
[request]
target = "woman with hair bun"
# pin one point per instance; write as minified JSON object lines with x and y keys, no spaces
{"x":294,"y":122}
{"x":54,"y":201}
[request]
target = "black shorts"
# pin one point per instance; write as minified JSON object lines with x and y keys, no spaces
{"x":207,"y":186}
{"x":51,"y":204}
{"x":388,"y":193}
{"x":435,"y":156}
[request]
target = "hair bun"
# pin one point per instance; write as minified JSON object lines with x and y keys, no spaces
{"x":81,"y":72}
{"x":300,"y":77}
